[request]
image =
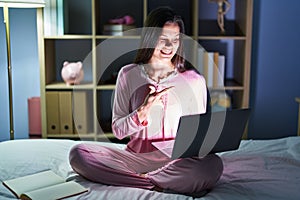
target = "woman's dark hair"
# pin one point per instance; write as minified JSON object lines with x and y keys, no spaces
{"x":152,"y":30}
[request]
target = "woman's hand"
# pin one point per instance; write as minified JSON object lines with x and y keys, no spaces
{"x":153,"y":97}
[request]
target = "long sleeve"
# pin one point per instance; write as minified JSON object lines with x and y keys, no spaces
{"x":124,"y":122}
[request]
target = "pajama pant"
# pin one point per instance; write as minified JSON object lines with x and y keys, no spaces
{"x":119,"y":167}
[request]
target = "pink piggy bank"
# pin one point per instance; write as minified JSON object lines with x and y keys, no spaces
{"x":72,"y":72}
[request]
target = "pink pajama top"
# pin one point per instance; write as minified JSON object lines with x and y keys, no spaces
{"x":187,"y":97}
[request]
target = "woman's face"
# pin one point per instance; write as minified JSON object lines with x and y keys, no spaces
{"x":167,"y":44}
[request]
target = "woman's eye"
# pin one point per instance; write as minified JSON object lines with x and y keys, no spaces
{"x":164,"y":41}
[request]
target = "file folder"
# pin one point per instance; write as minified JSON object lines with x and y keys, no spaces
{"x":65,"y":112}
{"x":80,"y":106}
{"x":52,"y":106}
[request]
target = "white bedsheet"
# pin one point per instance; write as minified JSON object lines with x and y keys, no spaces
{"x":262,"y":169}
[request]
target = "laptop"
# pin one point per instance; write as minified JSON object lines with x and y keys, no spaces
{"x":202,"y":134}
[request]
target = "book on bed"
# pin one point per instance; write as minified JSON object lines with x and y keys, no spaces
{"x":43,"y":185}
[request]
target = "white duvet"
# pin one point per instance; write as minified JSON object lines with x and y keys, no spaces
{"x":259,"y":169}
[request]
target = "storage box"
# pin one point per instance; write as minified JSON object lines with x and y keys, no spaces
{"x":34,"y":116}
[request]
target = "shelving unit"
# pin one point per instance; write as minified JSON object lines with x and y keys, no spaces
{"x":85,"y":42}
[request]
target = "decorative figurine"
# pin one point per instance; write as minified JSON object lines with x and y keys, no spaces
{"x":221,"y":12}
{"x":72,"y":72}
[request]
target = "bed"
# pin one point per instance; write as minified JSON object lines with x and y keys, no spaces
{"x":259,"y":169}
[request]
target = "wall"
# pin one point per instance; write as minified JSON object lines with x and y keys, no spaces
{"x":275,"y":78}
{"x":25,"y":70}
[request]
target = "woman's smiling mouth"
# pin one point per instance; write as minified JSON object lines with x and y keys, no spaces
{"x":166,"y":52}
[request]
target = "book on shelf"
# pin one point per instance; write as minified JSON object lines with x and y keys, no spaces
{"x":221,"y":68}
{"x":215,"y":68}
{"x":50,"y":18}
{"x":218,"y":70}
{"x":55,"y":17}
{"x":62,"y":17}
{"x":47,"y":17}
{"x":45,"y":185}
{"x":200,"y":60}
{"x":118,"y":29}
{"x":212,"y":66}
{"x":208,"y":66}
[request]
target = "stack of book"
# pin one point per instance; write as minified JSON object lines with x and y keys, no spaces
{"x":212,"y":66}
{"x":118,"y":29}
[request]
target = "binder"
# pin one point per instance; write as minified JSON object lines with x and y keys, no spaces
{"x":65,"y":112}
{"x":80,"y":114}
{"x":52,"y":106}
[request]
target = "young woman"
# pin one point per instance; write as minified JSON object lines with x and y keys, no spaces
{"x":151,"y":94}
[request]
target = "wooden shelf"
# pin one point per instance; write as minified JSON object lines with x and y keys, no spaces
{"x":71,"y":37}
{"x":227,"y":88}
{"x":106,"y":87}
{"x":64,"y":86}
{"x":83,"y":45}
{"x":117,"y":37}
{"x":231,"y":84}
{"x":210,"y":28}
{"x":222,"y":38}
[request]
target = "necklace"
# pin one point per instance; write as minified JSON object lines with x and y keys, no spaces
{"x":158,"y":74}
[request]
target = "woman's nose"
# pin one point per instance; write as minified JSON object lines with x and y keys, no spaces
{"x":168,"y":43}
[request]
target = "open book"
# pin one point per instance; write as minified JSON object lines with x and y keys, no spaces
{"x":43,"y":185}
